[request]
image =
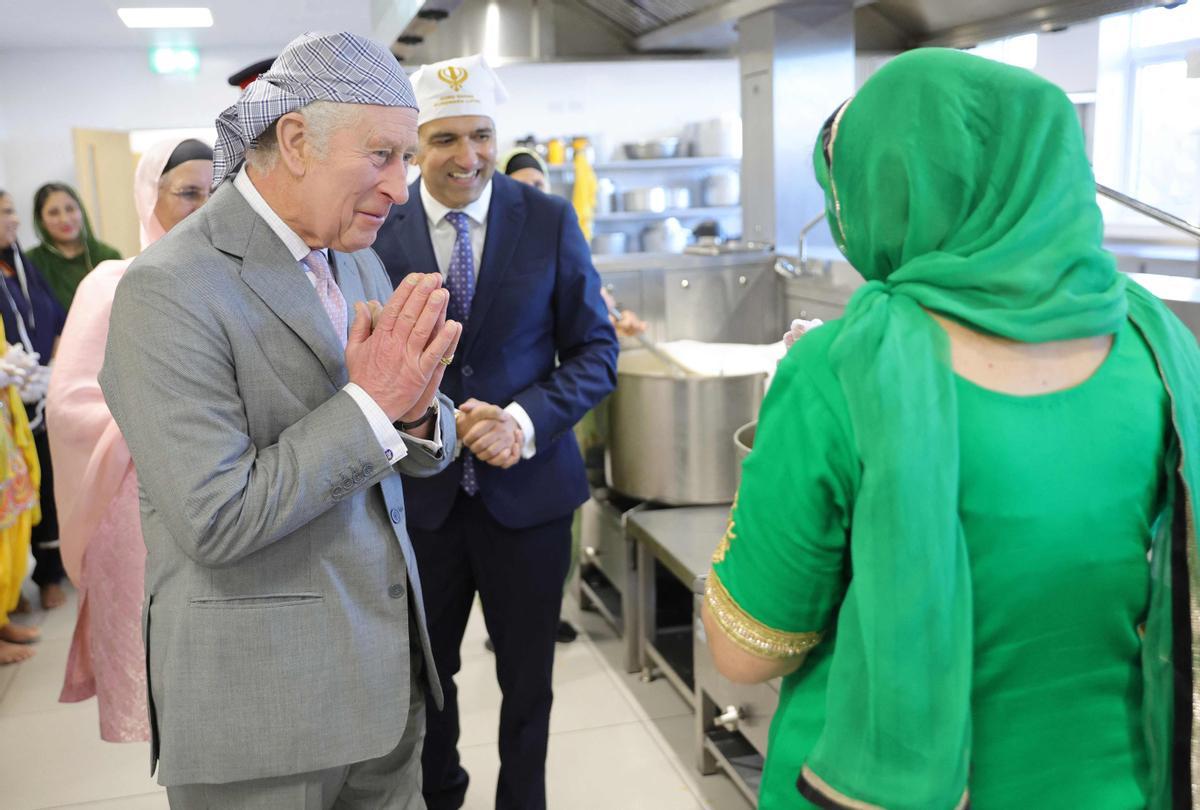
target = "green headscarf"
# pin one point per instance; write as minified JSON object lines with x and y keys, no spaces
{"x":959,"y":185}
{"x":61,"y":273}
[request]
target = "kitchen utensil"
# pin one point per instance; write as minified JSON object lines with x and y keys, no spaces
{"x":677,"y":368}
{"x":708,"y":229}
{"x":679,"y":197}
{"x":606,"y":192}
{"x":722,"y":187}
{"x":667,"y":236}
{"x":652,"y":149}
{"x":720,"y":137}
{"x":607,"y":244}
{"x":645,"y":200}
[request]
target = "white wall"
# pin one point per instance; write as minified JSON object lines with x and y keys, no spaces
{"x":44,"y":94}
{"x":625,"y":101}
{"x":1071,"y":58}
{"x":615,"y":102}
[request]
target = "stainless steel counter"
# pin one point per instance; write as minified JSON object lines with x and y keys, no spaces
{"x":606,"y":581}
{"x":679,"y":541}
{"x":682,"y":539}
{"x":732,"y":721}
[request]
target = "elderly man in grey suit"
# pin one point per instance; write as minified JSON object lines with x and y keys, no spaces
{"x":283,"y":617}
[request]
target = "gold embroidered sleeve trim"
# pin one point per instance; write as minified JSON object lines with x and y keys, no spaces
{"x":841,"y":801}
{"x":747,"y":632}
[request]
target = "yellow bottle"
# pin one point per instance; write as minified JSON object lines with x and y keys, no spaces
{"x":583,"y":197}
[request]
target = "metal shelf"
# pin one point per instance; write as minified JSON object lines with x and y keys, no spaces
{"x":678,"y":213}
{"x":741,"y":763}
{"x":659,"y":163}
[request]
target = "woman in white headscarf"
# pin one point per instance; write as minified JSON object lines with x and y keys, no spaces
{"x":95,"y":483}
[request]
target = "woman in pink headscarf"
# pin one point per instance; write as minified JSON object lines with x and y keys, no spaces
{"x":95,"y":485}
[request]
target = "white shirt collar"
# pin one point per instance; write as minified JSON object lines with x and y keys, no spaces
{"x":291,"y":240}
{"x":477,"y":210}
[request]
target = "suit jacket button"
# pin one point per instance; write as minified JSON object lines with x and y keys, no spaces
{"x":467,"y":371}
{"x":396,"y":591}
{"x":395,"y":515}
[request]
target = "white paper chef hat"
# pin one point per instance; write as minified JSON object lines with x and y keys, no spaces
{"x":466,"y":86}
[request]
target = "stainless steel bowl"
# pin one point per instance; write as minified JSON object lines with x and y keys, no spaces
{"x":607,"y":244}
{"x":743,"y":440}
{"x":645,"y":200}
{"x":653,"y":149}
{"x":743,"y":443}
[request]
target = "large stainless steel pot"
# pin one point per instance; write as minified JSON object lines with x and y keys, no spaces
{"x":669,"y":437}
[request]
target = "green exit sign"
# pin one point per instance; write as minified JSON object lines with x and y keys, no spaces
{"x":174,"y":60}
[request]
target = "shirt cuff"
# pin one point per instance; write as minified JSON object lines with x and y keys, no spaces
{"x":526,"y":425}
{"x":385,"y":432}
{"x":434,"y":445}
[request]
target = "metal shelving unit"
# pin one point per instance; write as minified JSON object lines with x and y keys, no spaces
{"x":660,"y":163}
{"x":678,"y":213}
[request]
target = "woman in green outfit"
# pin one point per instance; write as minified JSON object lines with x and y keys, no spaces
{"x":69,"y":249}
{"x":964,"y":537}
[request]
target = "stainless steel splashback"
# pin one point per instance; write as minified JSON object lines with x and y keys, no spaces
{"x":731,"y":298}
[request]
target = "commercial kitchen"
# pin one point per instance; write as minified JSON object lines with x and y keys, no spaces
{"x":697,"y":120}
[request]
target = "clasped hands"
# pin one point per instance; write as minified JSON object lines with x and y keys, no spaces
{"x":397,"y":352}
{"x":490,"y":433}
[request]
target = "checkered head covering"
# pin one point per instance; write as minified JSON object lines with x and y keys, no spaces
{"x":339,"y":67}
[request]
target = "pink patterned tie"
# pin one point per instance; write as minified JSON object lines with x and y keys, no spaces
{"x":328,"y":292}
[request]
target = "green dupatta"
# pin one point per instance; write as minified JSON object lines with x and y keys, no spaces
{"x":960,"y":185}
{"x":62,"y":274}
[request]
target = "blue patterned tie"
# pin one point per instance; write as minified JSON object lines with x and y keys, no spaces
{"x":460,"y":279}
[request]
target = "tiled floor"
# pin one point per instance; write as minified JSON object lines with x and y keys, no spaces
{"x":615,"y":743}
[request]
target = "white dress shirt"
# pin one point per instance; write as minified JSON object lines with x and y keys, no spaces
{"x":443,"y":236}
{"x":390,"y":439}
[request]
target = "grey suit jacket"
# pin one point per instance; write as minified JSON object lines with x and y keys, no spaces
{"x":279,"y":575}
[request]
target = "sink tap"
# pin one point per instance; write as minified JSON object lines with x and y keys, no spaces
{"x":803,"y":248}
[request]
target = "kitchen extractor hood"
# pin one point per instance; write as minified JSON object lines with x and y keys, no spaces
{"x":581,"y":30}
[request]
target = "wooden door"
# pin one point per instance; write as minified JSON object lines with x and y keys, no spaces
{"x":104,"y":164}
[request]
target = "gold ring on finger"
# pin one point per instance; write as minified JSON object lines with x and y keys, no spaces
{"x":445,"y":361}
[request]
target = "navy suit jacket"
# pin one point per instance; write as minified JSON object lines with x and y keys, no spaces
{"x":538,"y":335}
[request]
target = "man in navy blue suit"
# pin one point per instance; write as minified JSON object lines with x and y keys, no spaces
{"x":537,"y":353}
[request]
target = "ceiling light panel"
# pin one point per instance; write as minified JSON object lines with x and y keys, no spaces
{"x":166,"y":17}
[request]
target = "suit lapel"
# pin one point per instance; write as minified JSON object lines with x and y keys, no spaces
{"x":412,"y":241}
{"x":506,"y":217}
{"x":270,"y":271}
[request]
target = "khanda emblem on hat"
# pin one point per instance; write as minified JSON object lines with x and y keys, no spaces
{"x":453,"y":76}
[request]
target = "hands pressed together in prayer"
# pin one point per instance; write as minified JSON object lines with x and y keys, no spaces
{"x":397,"y":352}
{"x":490,"y":432}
